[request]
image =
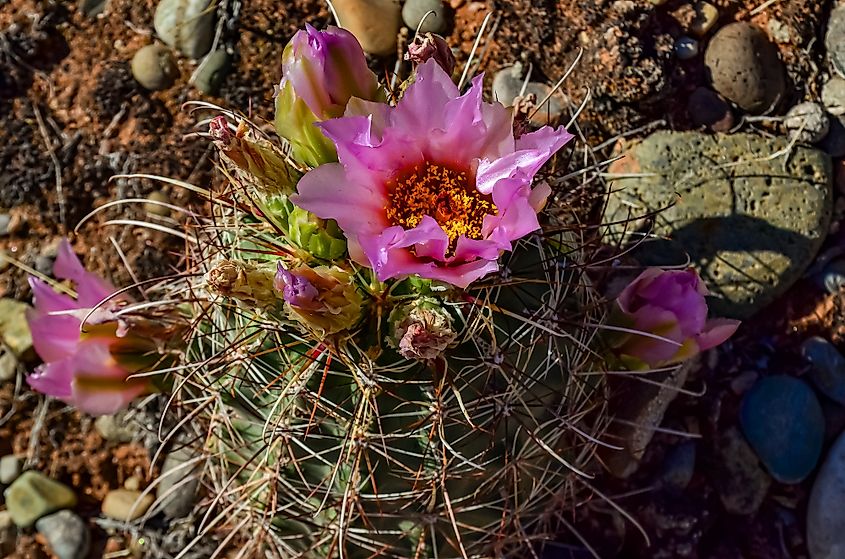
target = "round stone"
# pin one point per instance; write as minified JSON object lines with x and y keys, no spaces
{"x":10,"y":468}
{"x":548,"y":111}
{"x":686,"y":48}
{"x":784,"y":424}
{"x":126,"y":505}
{"x":833,"y":96}
{"x":375,"y":23}
{"x":66,"y":533}
{"x":807,"y":122}
{"x":708,"y":108}
{"x":186,"y":25}
{"x":154,"y":67}
{"x":828,"y":372}
{"x":835,"y":39}
{"x":507,"y":83}
{"x":34,"y":495}
{"x":745,"y":67}
{"x":705,"y":18}
{"x":826,"y":507}
{"x":434,"y":12}
{"x":213,"y":71}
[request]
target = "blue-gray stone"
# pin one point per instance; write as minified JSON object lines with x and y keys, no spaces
{"x":826,"y":507}
{"x":832,"y":277}
{"x":783,"y":422}
{"x":679,"y":466}
{"x":828,"y":372}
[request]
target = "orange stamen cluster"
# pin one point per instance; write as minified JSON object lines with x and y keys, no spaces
{"x":441,"y":192}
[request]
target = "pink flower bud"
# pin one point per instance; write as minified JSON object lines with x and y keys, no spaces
{"x":670,"y":306}
{"x":321,"y":72}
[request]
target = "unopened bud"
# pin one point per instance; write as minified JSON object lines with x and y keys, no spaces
{"x":248,"y":283}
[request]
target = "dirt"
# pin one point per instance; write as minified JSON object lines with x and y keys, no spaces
{"x":72,"y":120}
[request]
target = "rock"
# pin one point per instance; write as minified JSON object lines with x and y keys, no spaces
{"x":834,"y":143}
{"x":507,"y":83}
{"x":833,"y":96}
{"x":779,"y":31}
{"x":186,"y":25}
{"x":178,"y":502}
{"x":5,"y":221}
{"x":115,"y":428}
{"x":34,"y":495}
{"x":743,"y":382}
{"x":828,"y":372}
{"x":7,"y":534}
{"x":706,"y":15}
{"x":679,"y":466}
{"x":14,"y":329}
{"x":44,"y":264}
{"x":835,"y":39}
{"x":155,"y":208}
{"x":686,"y":48}
{"x":375,"y":23}
{"x":10,"y":468}
{"x":132,"y":483}
{"x":154,"y":67}
{"x":807,"y":122}
{"x":414,"y":10}
{"x":92,"y":8}
{"x":213,"y":71}
{"x":638,"y":409}
{"x":126,"y":505}
{"x":834,"y":420}
{"x":783,"y":421}
{"x":8,"y":364}
{"x":832,"y":277}
{"x":66,"y":533}
{"x":826,"y":507}
{"x":744,"y":67}
{"x":708,"y":108}
{"x":750,"y":223}
{"x":741,"y":482}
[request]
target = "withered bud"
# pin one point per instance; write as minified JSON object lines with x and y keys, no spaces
{"x":427,"y":46}
{"x":244,"y":282}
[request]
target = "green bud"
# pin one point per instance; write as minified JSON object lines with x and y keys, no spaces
{"x":318,"y":237}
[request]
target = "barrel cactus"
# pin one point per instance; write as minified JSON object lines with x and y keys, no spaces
{"x":388,"y":328}
{"x":369,"y":394}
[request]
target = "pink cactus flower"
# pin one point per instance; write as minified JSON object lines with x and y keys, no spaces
{"x":669,"y":304}
{"x":437,"y":186}
{"x":83,"y":366}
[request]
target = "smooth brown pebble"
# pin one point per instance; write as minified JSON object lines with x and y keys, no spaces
{"x":375,"y":23}
{"x":126,"y":505}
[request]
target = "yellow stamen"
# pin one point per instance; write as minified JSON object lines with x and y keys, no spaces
{"x":441,"y":192}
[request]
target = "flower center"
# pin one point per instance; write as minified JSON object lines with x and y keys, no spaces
{"x":441,"y":192}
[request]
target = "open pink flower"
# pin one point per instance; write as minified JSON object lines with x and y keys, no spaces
{"x":86,"y":367}
{"x":437,"y":186}
{"x":669,"y":304}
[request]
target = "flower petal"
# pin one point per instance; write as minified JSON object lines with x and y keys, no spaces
{"x":91,"y":289}
{"x":716,"y":331}
{"x":54,"y":336}
{"x":46,"y":299}
{"x":53,"y":379}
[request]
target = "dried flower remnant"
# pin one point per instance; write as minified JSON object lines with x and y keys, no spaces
{"x":422,"y":329}
{"x":428,"y":46}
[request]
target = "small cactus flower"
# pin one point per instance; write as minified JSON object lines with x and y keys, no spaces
{"x":252,"y":285}
{"x":324,"y":299}
{"x":436,"y":186}
{"x":427,"y":46}
{"x":258,"y":159}
{"x":669,"y":304}
{"x":321,"y":72}
{"x":86,"y":365}
{"x":421,"y":330}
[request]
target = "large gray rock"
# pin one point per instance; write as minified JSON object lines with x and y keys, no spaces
{"x":178,"y":484}
{"x":835,"y":39}
{"x":186,"y":25}
{"x":750,"y":222}
{"x":826,"y":508}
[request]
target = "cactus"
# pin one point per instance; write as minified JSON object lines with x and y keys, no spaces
{"x":356,"y":411}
